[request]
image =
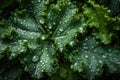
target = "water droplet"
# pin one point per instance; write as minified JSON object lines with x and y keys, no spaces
{"x":24,"y":20}
{"x":50,"y":26}
{"x":86,"y":39}
{"x":46,"y":61}
{"x":54,"y":23}
{"x":97,"y":42}
{"x":59,"y":9}
{"x":78,"y":58}
{"x":42,"y":21}
{"x":41,"y":61}
{"x":92,"y":47}
{"x":13,"y":55}
{"x":35,"y":58}
{"x":25,"y":40}
{"x":39,"y":1}
{"x":21,"y":23}
{"x":68,"y":32}
{"x":69,"y":3}
{"x":85,"y":48}
{"x":84,"y":44}
{"x":86,"y":56}
{"x":72,"y":67}
{"x":84,"y":24}
{"x":98,"y":69}
{"x":109,"y":50}
{"x":32,"y":1}
{"x":75,"y":64}
{"x":110,"y":54}
{"x":60,"y":22}
{"x":93,"y":56}
{"x":18,"y":35}
{"x":61,"y":29}
{"x":81,"y":29}
{"x":46,"y":49}
{"x":15,"y":19}
{"x":103,"y":56}
{"x":71,"y":43}
{"x":100,"y":61}
{"x":22,"y":50}
{"x":43,"y":37}
{"x":92,"y":70}
{"x":42,"y":70}
{"x":61,"y":49}
{"x":66,"y":20}
{"x":95,"y":50}
{"x":26,"y":68}
{"x":47,"y":55}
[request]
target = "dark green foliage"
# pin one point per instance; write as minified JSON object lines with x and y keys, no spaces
{"x":58,"y":40}
{"x":91,"y":57}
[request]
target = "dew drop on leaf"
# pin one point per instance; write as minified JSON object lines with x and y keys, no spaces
{"x":86,"y":56}
{"x":71,"y":43}
{"x":95,"y":50}
{"x":42,"y":21}
{"x":81,"y":29}
{"x":71,"y":66}
{"x":54,"y":23}
{"x":85,"y":48}
{"x":92,"y":47}
{"x":84,"y":44}
{"x":21,"y":23}
{"x":59,"y":9}
{"x":93,"y":56}
{"x":35,"y":58}
{"x":39,"y":0}
{"x":75,"y":64}
{"x":24,"y":20}
{"x":26,"y":68}
{"x":61,"y":49}
{"x":92,"y":70}
{"x":103,"y":56}
{"x":50,"y":27}
{"x":100,"y":61}
{"x":109,"y":50}
{"x":43,"y":37}
{"x":13,"y":54}
{"x":61,"y":30}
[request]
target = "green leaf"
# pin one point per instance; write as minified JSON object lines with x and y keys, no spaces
{"x":91,"y":56}
{"x":36,"y":33}
{"x":39,"y":59}
{"x":100,"y":21}
{"x":39,"y":33}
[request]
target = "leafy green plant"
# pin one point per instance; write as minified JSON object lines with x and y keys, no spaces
{"x":50,"y":38}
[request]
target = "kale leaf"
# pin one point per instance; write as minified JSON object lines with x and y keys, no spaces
{"x":58,"y":39}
